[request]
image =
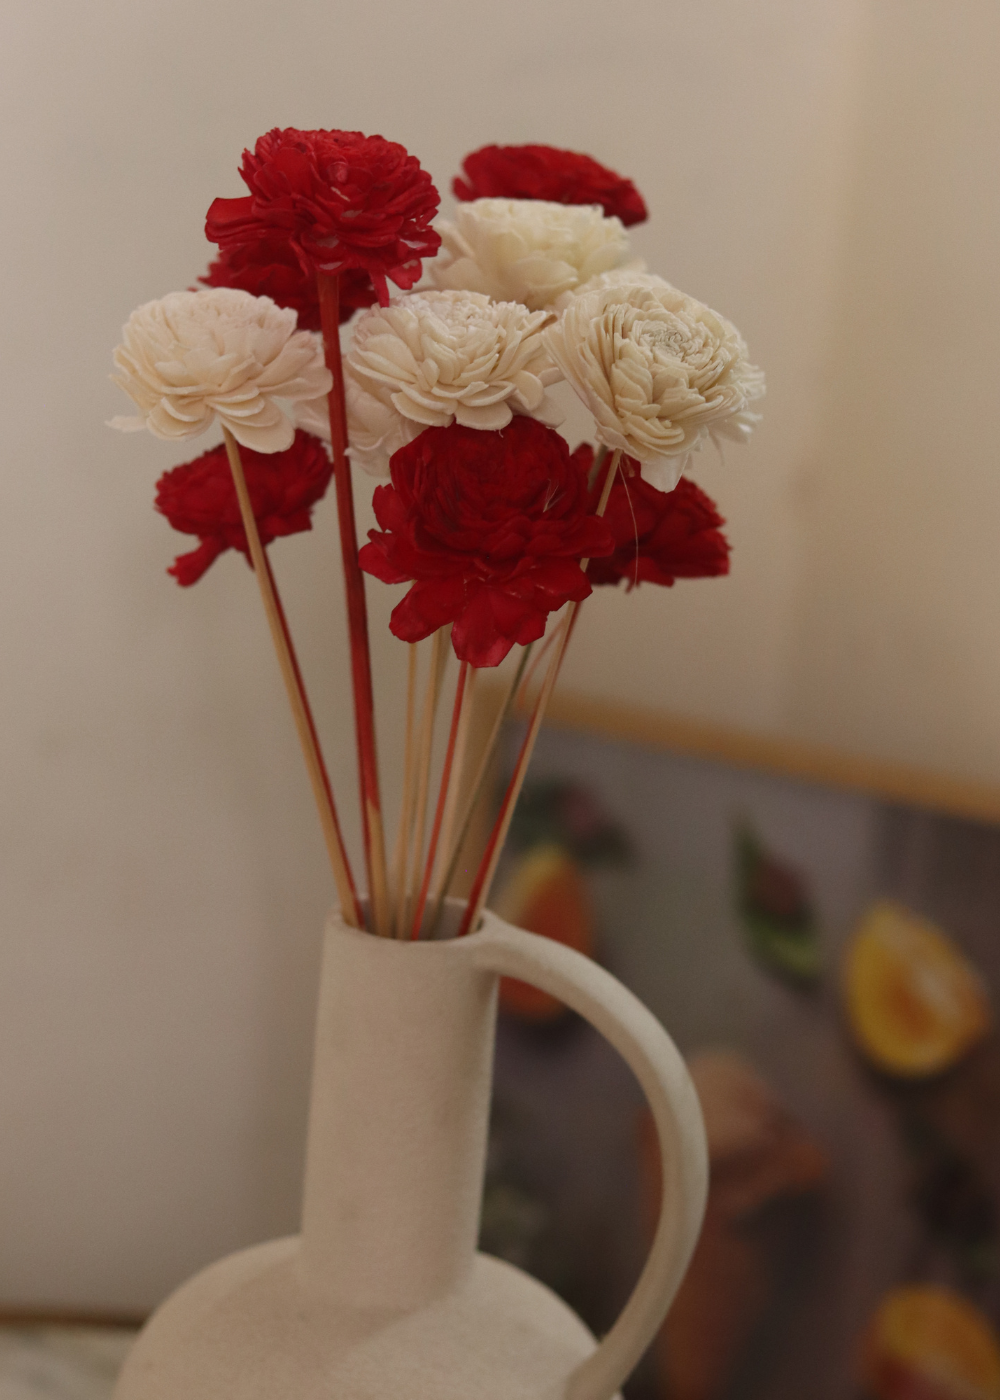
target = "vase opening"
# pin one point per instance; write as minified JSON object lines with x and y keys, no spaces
{"x":447,"y":925}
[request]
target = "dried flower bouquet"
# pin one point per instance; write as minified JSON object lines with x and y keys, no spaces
{"x":445,"y":394}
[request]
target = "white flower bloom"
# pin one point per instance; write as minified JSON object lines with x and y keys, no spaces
{"x":659,"y":371}
{"x":634,"y":275}
{"x":375,"y":430}
{"x":433,"y":358}
{"x":195,"y":356}
{"x":527,"y":250}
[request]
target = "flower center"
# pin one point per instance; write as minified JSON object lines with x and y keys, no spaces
{"x":669,"y":337}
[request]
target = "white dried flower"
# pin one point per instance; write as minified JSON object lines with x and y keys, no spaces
{"x":439,"y":357}
{"x":634,"y":275}
{"x":193,"y":356}
{"x":659,"y":371}
{"x":527,"y":250}
{"x":375,"y":430}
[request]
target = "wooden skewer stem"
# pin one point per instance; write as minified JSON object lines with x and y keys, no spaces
{"x":439,"y":656}
{"x":399,"y":861}
{"x":457,"y":778}
{"x":292,"y":677}
{"x":456,"y":714}
{"x":328,"y":287}
{"x":520,"y":698}
{"x":453,"y":852}
{"x":487,"y":866}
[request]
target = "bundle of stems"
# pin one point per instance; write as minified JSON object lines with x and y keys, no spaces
{"x":424,"y":866}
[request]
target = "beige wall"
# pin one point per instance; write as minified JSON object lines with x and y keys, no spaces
{"x":163,"y":880}
{"x":895,"y":644}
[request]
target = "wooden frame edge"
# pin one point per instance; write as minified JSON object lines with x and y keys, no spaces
{"x":15,"y":1315}
{"x":900,"y":783}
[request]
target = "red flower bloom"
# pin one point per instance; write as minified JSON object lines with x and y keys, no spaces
{"x":269,"y":268}
{"x":491,"y":527}
{"x":341,"y":200}
{"x":659,"y":535}
{"x":543,"y":172}
{"x":199,"y":498}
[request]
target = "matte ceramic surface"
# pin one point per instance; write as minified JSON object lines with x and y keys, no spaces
{"x":384,"y":1295}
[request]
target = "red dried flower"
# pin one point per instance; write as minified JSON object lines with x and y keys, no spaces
{"x":543,"y":172}
{"x":269,"y":268}
{"x":659,"y":536}
{"x":491,"y":528}
{"x":342,"y":200}
{"x":199,"y":498}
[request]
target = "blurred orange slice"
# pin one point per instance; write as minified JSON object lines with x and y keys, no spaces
{"x":915,"y":1004}
{"x":928,"y":1343}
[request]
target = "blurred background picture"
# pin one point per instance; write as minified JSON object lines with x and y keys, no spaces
{"x":828,"y":960}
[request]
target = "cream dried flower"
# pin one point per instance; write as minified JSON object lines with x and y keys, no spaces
{"x":659,"y":371}
{"x":439,"y":357}
{"x":634,"y":275}
{"x":374,"y":429}
{"x":193,"y":356}
{"x":527,"y":250}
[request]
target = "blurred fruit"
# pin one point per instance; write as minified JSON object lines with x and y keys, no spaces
{"x":929,"y":1343}
{"x":914,"y":1002}
{"x":546,"y":894}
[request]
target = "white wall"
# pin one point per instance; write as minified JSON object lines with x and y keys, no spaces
{"x":163,"y":879}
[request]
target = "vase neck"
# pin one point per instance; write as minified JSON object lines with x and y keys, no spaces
{"x":398,"y":1120}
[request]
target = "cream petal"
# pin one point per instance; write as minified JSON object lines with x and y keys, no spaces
{"x":547,"y":412}
{"x":265,"y":437}
{"x":489,"y":417}
{"x":163,"y":424}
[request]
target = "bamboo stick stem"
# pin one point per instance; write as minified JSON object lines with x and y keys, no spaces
{"x":520,"y":698}
{"x":451,"y":856}
{"x":357,"y":611}
{"x":457,"y":778}
{"x":491,"y":856}
{"x":295,"y":688}
{"x":439,"y":656}
{"x":402,"y":846}
{"x":449,"y":757}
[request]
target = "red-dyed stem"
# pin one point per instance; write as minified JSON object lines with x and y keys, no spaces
{"x":442,"y":798}
{"x":486,"y":863}
{"x":487,"y":866}
{"x":307,"y":710}
{"x":357,"y":611}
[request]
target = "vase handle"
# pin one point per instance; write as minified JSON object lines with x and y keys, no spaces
{"x":651,"y":1054}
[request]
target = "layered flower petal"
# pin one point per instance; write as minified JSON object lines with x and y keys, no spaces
{"x":527,"y":250}
{"x":268,"y":267}
{"x":199,"y":498}
{"x":659,"y":371}
{"x":660,"y":536}
{"x":433,"y":358}
{"x":341,"y":201}
{"x":192,"y":357}
{"x":544,"y":172}
{"x":490,"y":527}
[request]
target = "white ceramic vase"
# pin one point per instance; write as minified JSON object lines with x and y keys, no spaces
{"x":383,"y":1295}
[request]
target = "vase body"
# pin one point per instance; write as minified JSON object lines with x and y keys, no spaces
{"x":383,"y":1296}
